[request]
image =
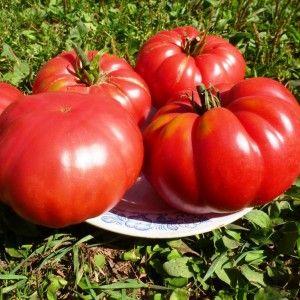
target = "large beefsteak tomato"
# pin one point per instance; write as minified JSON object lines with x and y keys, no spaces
{"x":8,"y":94}
{"x":226,"y":158}
{"x":180,"y":59}
{"x":66,"y":157}
{"x":108,"y":74}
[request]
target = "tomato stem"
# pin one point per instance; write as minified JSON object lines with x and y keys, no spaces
{"x":88,"y":71}
{"x":208,"y":100}
{"x":194,"y":46}
{"x":82,"y":57}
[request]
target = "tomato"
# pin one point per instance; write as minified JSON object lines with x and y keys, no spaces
{"x":258,"y":86}
{"x":115,"y":77}
{"x":203,"y":159}
{"x":182,"y":58}
{"x":66,"y":157}
{"x":8,"y":94}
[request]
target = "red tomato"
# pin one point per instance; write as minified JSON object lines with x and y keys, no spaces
{"x":258,"y":86}
{"x":8,"y":94}
{"x":116,"y":78}
{"x":226,"y":158}
{"x":180,"y":59}
{"x":66,"y":157}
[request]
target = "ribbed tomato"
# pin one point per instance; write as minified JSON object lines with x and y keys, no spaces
{"x":226,"y":158}
{"x":8,"y":94}
{"x":109,"y":74}
{"x":66,"y":157}
{"x":182,"y":58}
{"x":258,"y":86}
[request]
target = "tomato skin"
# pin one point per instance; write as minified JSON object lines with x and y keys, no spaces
{"x":67,"y":157}
{"x":119,"y":81}
{"x":168,"y":70}
{"x":258,"y":86}
{"x":244,"y":154}
{"x":8,"y":94}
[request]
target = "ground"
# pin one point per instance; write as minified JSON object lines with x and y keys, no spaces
{"x":257,"y":257}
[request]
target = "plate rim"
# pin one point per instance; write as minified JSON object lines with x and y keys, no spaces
{"x":167,"y":234}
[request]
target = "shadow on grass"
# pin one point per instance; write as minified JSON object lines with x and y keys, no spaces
{"x":15,"y":232}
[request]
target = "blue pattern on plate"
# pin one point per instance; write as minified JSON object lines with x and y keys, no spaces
{"x":153,"y":221}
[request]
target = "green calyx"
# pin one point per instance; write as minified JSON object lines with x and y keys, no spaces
{"x":89,"y":71}
{"x":209,"y":99}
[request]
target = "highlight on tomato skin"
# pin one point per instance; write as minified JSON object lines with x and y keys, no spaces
{"x":179,"y":59}
{"x":8,"y":94}
{"x":210,"y":156}
{"x":100,"y":73}
{"x":257,"y":86}
{"x":67,"y":157}
{"x":246,"y":87}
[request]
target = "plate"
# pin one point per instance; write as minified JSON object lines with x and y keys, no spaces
{"x":142,"y":213}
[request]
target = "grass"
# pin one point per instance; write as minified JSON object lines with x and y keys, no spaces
{"x":257,"y":257}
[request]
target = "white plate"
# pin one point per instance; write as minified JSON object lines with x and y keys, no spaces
{"x":142,"y":213}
